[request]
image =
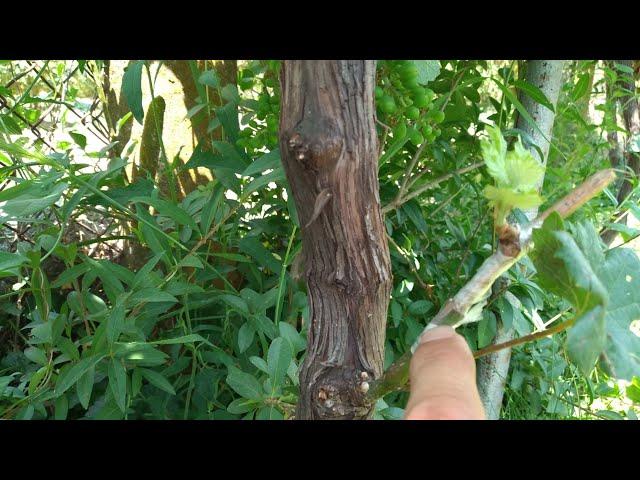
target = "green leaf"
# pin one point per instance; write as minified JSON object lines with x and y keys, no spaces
{"x":192,"y":338}
{"x":535,"y":93}
{"x":487,"y":328}
{"x":289,"y":332}
{"x":494,"y":153}
{"x":32,"y":200}
{"x":421,"y":307}
{"x":210,"y":78}
{"x":80,"y":139}
{"x":254,"y":248}
{"x":587,"y":238}
{"x":396,"y":313}
{"x":245,"y":336}
{"x":621,"y":274}
{"x":157,"y":380}
{"x":61,"y":408}
{"x":564,"y":270}
{"x":132,"y":89}
{"x":276,"y":176}
{"x":140,"y":354}
{"x":71,"y":376}
{"x":269,"y":413}
{"x":168,"y":209}
{"x":268,"y":161}
{"x":115,"y":322}
{"x":151,"y":295}
{"x":36,"y":355}
{"x":278,"y":360}
{"x":610,"y":415}
{"x":244,"y":384}
{"x":241,"y":405}
{"x":260,"y":364}
{"x":85,"y":386}
{"x":9,"y":263}
{"x":118,"y":383}
{"x":412,"y":209}
{"x":237,"y":303}
{"x":428,"y":70}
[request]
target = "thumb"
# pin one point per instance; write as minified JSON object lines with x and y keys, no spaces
{"x":443,"y":379}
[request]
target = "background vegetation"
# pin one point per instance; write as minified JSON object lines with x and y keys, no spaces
{"x":149,"y":258}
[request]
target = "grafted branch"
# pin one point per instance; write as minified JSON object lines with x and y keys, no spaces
{"x":466,"y":306}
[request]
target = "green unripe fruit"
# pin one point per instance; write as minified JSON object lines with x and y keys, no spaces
{"x":379,"y":93}
{"x":387,"y":104}
{"x":412,"y":113}
{"x":437,"y":132}
{"x":421,"y":100}
{"x":436,"y":115}
{"x":416,"y":138}
{"x":410,"y":82}
{"x":408,"y":72}
{"x":427,"y":130}
{"x":400,"y":131}
{"x":430,"y":94}
{"x":396,"y":83}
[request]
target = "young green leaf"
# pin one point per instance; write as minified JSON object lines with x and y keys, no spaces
{"x":72,"y":375}
{"x":157,"y":380}
{"x":278,"y":360}
{"x":244,"y":384}
{"x":118,"y":383}
{"x":132,"y":89}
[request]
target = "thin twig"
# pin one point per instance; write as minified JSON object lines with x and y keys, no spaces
{"x":434,"y":183}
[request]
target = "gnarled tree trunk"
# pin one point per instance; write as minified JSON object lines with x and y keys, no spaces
{"x":329,"y":151}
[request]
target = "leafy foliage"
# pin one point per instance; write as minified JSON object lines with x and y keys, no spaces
{"x":125,"y":299}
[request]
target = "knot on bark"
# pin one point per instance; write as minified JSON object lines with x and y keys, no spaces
{"x":316,"y":146}
{"x":341,"y":394}
{"x":509,"y":239}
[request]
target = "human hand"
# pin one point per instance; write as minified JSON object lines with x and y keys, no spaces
{"x":443,"y":379}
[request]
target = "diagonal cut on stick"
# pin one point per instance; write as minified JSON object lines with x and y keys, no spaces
{"x":466,"y":305}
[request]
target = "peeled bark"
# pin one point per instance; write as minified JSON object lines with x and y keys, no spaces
{"x":547,"y":76}
{"x":329,"y":151}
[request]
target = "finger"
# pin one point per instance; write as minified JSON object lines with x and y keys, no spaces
{"x":443,"y":379}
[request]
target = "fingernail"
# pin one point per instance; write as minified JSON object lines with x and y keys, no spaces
{"x":437,"y":333}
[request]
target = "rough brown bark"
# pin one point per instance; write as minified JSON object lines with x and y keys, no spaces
{"x":329,"y":151}
{"x":630,"y":160}
{"x":115,"y":108}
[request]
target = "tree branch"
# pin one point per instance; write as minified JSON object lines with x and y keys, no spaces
{"x":466,"y":306}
